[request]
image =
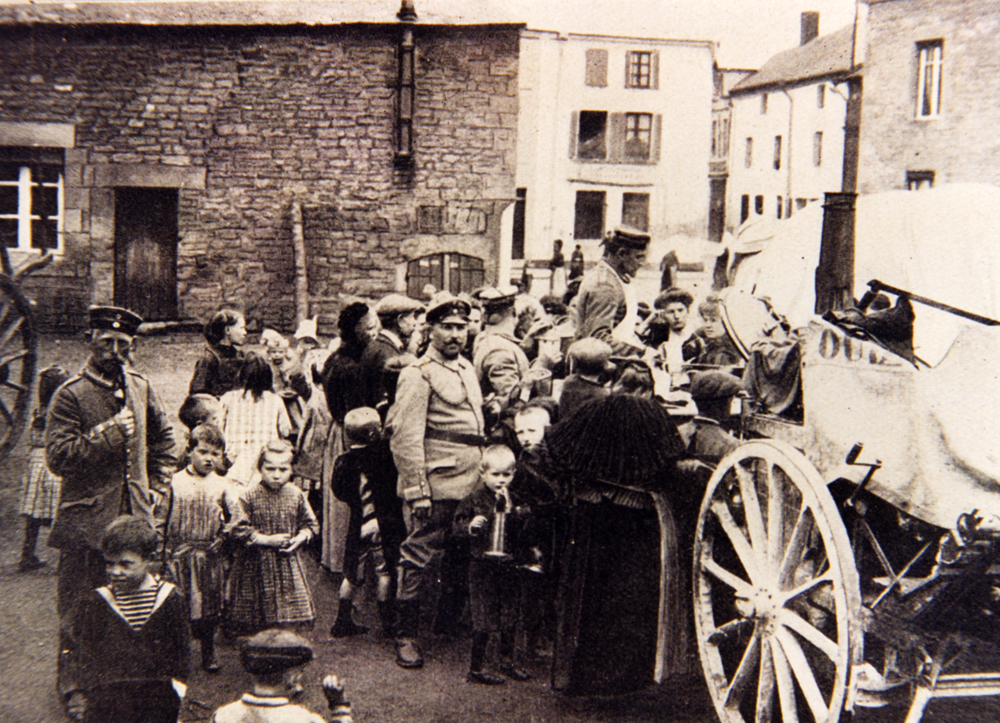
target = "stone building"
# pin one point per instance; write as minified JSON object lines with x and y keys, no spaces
{"x":787,"y":130}
{"x":612,"y":130}
{"x":164,"y":152}
{"x":931,"y":103}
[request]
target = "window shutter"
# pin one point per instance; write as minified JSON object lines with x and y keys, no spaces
{"x":574,"y":132}
{"x":616,"y":137}
{"x":654,"y":70}
{"x":597,"y":67}
{"x":654,"y":151}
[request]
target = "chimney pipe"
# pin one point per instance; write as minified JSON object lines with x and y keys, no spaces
{"x":810,"y":26}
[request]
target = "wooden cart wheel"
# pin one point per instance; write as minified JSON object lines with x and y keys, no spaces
{"x":17,"y":362}
{"x":775,"y":590}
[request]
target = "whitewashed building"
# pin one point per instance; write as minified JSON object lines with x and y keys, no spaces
{"x":787,"y":130}
{"x":610,"y":130}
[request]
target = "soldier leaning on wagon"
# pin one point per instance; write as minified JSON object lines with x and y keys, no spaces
{"x":606,"y":307}
{"x":435,"y":433}
{"x":109,"y":439}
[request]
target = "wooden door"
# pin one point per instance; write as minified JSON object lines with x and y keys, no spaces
{"x":146,"y":251}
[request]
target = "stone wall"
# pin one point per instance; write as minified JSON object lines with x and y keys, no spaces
{"x":247,"y":121}
{"x":961,"y":143}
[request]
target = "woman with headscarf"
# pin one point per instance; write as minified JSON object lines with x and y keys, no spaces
{"x":218,"y":369}
{"x":620,"y":626}
{"x":344,"y":390}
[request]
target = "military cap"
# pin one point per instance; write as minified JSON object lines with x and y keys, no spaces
{"x":362,"y":426}
{"x":444,"y":305}
{"x":629,"y":237}
{"x":272,"y":651}
{"x":396,"y":304}
{"x":114,"y":318}
{"x":495,"y":299}
{"x":709,"y":386}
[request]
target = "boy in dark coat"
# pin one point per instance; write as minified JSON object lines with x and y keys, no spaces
{"x":493,"y":582}
{"x":127,"y":644}
{"x":365,"y":479}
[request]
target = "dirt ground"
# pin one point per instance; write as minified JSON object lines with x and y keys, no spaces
{"x":378,"y":689}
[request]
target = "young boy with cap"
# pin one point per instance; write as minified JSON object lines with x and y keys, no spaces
{"x":589,"y":362}
{"x":277,"y":659}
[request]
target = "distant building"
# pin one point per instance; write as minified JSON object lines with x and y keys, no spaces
{"x":787,"y":132}
{"x":718,"y":170}
{"x":931,"y":103}
{"x":159,"y":148}
{"x":612,"y":130}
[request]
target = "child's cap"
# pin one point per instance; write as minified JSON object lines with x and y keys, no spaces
{"x":272,"y":651}
{"x":307,"y":330}
{"x":362,"y":426}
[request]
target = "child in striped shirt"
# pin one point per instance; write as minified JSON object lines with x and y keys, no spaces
{"x":127,"y":652}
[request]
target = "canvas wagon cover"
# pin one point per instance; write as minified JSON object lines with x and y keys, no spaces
{"x":935,"y":430}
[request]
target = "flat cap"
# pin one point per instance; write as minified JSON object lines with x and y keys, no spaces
{"x":630,"y":237}
{"x":495,"y":299}
{"x":114,"y":318}
{"x":396,"y":304}
{"x":708,"y":386}
{"x":444,"y":306}
{"x":362,"y":426}
{"x":272,"y":651}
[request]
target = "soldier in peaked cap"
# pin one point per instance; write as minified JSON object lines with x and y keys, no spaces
{"x":397,"y":315}
{"x":606,"y":307}
{"x":108,"y":437}
{"x":435,"y":430}
{"x":497,"y":355}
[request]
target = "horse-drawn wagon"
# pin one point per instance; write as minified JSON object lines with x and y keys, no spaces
{"x":846,"y":552}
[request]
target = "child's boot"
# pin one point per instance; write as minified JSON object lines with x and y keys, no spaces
{"x":29,"y":561}
{"x":476,"y":672}
{"x":344,"y":626}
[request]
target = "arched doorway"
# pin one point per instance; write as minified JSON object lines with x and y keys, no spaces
{"x":452,"y":272}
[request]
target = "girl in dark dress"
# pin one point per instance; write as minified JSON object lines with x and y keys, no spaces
{"x":217,"y":371}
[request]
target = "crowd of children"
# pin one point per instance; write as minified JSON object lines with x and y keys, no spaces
{"x":231,"y":533}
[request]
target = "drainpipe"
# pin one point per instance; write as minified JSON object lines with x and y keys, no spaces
{"x":788,"y":184}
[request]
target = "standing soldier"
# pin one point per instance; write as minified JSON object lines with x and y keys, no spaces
{"x":436,"y":438}
{"x":605,"y":307}
{"x":499,"y":361}
{"x":109,"y":439}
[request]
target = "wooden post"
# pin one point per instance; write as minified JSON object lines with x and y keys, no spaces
{"x":301,"y":275}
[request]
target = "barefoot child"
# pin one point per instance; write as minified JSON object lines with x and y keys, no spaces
{"x":127,"y":651}
{"x":201,"y":504}
{"x":268,"y":585}
{"x":40,"y":488}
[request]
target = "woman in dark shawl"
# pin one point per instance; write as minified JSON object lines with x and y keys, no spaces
{"x":620,"y":627}
{"x":344,"y":391}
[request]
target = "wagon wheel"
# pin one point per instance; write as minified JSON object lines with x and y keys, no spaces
{"x":17,"y":362}
{"x":775,"y":590}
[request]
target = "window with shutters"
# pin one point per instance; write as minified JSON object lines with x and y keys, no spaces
{"x":456,"y":273}
{"x":589,"y":218}
{"x":597,"y":67}
{"x":781,"y":206}
{"x":638,"y":136}
{"x":748,"y":158}
{"x":31,"y":198}
{"x":763,"y":103}
{"x":758,"y":205}
{"x":641,"y":69}
{"x":777,"y":153}
{"x":821,"y":95}
{"x":591,"y":143}
{"x":818,"y":148}
{"x":929,"y":55}
{"x":744,"y":207}
{"x":635,"y":210}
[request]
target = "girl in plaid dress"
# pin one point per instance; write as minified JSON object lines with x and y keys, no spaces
{"x":39,"y":488}
{"x":254,"y":417}
{"x":268,"y":585}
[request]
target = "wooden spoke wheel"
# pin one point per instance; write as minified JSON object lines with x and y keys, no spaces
{"x":17,"y":362}
{"x":775,"y":590}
